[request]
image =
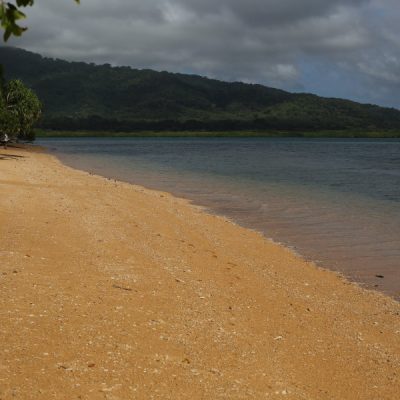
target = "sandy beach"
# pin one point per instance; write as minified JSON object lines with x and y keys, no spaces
{"x":112,"y":291}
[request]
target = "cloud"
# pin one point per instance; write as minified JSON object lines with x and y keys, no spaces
{"x":345,"y":48}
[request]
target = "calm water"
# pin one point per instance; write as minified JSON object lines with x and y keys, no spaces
{"x":335,"y":201}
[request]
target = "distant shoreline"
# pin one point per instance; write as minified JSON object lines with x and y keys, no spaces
{"x":41,"y":133}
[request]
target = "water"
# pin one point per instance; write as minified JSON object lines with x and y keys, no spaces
{"x":335,"y":201}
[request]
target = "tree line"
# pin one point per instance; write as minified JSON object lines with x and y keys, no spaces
{"x":81,"y":96}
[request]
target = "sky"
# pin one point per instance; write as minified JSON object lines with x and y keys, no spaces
{"x":333,"y":48}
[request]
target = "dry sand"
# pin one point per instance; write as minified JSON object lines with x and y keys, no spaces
{"x":111,"y":291}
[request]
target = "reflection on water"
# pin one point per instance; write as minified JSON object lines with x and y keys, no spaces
{"x":334,"y":201}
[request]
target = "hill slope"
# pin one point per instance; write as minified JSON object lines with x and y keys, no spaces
{"x":86,"y":96}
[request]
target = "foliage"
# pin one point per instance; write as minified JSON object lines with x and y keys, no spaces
{"x":208,"y":134}
{"x":2,"y":83}
{"x":10,"y":16}
{"x":80,"y":96}
{"x":8,"y":123}
{"x":20,"y":108}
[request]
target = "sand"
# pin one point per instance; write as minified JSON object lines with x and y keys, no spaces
{"x":111,"y":291}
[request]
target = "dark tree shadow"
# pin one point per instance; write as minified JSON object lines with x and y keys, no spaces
{"x":10,"y":156}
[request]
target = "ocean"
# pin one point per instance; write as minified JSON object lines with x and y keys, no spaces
{"x":334,"y":201}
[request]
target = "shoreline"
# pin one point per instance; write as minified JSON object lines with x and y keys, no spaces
{"x":319,"y":134}
{"x":368,"y":279}
{"x":139,"y":293}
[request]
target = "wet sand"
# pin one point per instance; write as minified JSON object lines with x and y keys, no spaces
{"x":112,"y":291}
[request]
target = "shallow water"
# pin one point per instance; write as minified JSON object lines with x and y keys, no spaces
{"x":335,"y":201}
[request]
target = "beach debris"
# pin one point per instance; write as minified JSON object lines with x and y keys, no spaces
{"x":278,"y":338}
{"x":215,"y":371}
{"x":379,"y":276}
{"x":91,"y":365}
{"x":122,"y":288}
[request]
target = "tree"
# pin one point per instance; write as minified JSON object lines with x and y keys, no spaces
{"x":8,"y":120}
{"x":11,"y":14}
{"x":2,"y":81}
{"x":8,"y":123}
{"x":19,"y":110}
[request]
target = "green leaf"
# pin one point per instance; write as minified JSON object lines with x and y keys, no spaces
{"x":25,"y":3}
{"x":10,"y":13}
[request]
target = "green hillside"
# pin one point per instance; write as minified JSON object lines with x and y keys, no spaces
{"x":85,"y":96}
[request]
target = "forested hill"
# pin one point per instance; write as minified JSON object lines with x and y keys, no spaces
{"x":78,"y":95}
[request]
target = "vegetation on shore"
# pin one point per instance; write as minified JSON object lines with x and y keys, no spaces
{"x":42,"y":133}
{"x":94,"y":98}
{"x":20,"y":109}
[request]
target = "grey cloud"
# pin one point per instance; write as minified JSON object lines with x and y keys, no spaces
{"x":266,"y":41}
{"x":269,"y":12}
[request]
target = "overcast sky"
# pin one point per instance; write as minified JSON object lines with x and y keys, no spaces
{"x":337,"y":48}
